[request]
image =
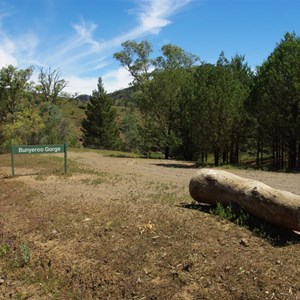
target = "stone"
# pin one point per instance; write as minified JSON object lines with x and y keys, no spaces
{"x":274,"y":206}
{"x":244,"y":242}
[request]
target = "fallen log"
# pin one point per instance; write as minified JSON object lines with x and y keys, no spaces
{"x":275,"y":206}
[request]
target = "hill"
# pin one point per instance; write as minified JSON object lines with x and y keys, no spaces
{"x":74,"y":109}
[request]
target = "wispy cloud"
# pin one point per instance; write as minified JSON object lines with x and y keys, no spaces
{"x":83,"y":54}
{"x":153,"y":14}
{"x":152,"y":17}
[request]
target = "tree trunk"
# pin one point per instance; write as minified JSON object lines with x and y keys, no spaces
{"x":167,"y":152}
{"x":293,"y":154}
{"x":274,"y":206}
{"x":217,"y":157}
{"x":257,"y":153}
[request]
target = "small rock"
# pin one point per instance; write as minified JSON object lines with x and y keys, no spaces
{"x":54,"y":231}
{"x":244,"y":242}
{"x":1,"y":281}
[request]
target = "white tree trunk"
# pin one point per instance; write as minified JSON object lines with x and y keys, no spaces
{"x":275,"y":206}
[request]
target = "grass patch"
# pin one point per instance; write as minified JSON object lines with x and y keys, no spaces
{"x":232,"y":213}
{"x":94,"y":182}
{"x":108,"y":153}
{"x":276,"y":235}
{"x":166,"y":193}
{"x":4,"y":249}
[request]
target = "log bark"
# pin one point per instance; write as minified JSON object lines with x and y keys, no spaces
{"x":275,"y":206}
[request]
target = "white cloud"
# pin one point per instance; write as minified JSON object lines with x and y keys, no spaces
{"x":116,"y":79}
{"x":83,"y":54}
{"x":6,"y":58}
{"x":7,"y":48}
{"x":152,"y":16}
{"x":85,"y":33}
{"x":82,"y":85}
{"x":112,"y":81}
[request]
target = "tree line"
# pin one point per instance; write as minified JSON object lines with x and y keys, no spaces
{"x":190,"y":109}
{"x":30,"y":113}
{"x":178,"y":105}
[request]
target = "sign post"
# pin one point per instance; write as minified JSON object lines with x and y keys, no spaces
{"x":12,"y":164}
{"x":65,"y":158}
{"x":38,"y":149}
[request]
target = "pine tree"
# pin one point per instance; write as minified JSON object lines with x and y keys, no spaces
{"x":99,"y":127}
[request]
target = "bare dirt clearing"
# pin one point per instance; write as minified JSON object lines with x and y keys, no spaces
{"x":116,"y":228}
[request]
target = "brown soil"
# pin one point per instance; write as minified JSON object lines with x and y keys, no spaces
{"x":126,"y":228}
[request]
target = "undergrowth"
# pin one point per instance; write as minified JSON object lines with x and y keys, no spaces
{"x":276,"y":235}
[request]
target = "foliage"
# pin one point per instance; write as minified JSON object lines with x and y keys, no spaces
{"x":26,"y":129}
{"x":135,"y":58}
{"x":276,"y":102}
{"x":22,"y":255}
{"x":4,"y":249}
{"x":123,"y":97}
{"x":220,"y":99}
{"x":56,"y":129}
{"x":230,"y":213}
{"x":131,"y":133}
{"x":13,"y":85}
{"x":160,"y":90}
{"x":23,"y":118}
{"x":174,"y":107}
{"x":99,"y":127}
{"x":51,"y":85}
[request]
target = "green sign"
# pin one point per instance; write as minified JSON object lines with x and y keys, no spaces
{"x":38,"y":149}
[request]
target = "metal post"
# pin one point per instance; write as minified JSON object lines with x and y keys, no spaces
{"x":66,"y":168}
{"x":12,"y":162}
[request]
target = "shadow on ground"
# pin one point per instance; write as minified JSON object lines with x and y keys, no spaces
{"x":276,"y":235}
{"x":177,"y":166}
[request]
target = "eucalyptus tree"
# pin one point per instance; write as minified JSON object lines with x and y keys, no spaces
{"x":51,"y":85}
{"x":135,"y":58}
{"x":159,"y":82}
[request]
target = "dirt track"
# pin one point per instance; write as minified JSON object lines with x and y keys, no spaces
{"x":118,"y":229}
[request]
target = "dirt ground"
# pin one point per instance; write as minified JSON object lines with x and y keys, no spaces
{"x":126,"y":228}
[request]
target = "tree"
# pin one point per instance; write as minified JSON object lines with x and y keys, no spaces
{"x":135,"y":58}
{"x":277,"y":102}
{"x":25,"y":129}
{"x":130,"y":132}
{"x":159,"y":105}
{"x":13,"y":85}
{"x":56,"y":129}
{"x":99,"y":127}
{"x":215,"y":108}
{"x":159,"y":91}
{"x":175,"y":58}
{"x":51,"y":85}
{"x":243,"y":127}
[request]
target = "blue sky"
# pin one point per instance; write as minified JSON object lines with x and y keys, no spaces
{"x":80,"y":36}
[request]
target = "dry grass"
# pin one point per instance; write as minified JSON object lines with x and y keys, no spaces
{"x":106,"y":231}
